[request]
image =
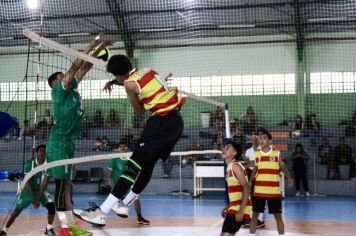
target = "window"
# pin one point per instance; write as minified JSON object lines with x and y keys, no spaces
{"x":332,"y":82}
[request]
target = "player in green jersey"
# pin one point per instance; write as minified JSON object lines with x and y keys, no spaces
{"x":66,"y":104}
{"x":32,"y":194}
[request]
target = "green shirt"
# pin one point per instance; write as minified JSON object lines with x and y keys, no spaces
{"x":116,"y":165}
{"x":66,"y":104}
{"x":36,"y":180}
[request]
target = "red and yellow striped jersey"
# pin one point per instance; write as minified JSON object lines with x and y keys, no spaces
{"x":267,"y":176}
{"x":155,"y":95}
{"x":236,"y":193}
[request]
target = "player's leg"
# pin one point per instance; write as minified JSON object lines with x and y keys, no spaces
{"x":140,"y":219}
{"x":47,"y":202}
{"x":258,"y":206}
{"x":275,"y":208}
{"x":11,"y":220}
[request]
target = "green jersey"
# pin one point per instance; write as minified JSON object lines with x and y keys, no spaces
{"x":116,"y":165}
{"x":66,"y":105}
{"x":36,"y":180}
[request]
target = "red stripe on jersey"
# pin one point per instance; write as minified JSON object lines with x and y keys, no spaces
{"x":146,"y":78}
{"x":171,"y":101}
{"x":235,"y":188}
{"x":149,"y":99}
{"x":269,"y":171}
{"x":267,"y":195}
{"x":268,"y":158}
{"x":267,"y":183}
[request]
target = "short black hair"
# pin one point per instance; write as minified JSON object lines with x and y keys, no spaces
{"x":237,"y":147}
{"x":119,"y":65}
{"x":40,"y":146}
{"x":53,"y":77}
{"x":123,"y":143}
{"x":264,"y":131}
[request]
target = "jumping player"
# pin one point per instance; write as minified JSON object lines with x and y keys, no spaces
{"x":146,"y":90}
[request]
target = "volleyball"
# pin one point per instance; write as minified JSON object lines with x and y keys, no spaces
{"x":103,"y":54}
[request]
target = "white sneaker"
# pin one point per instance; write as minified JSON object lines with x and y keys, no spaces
{"x":121,"y":210}
{"x":77,"y":212}
{"x":297,"y":194}
{"x":94,"y":216}
{"x":307,"y":194}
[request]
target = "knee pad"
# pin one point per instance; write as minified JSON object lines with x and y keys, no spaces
{"x":131,"y":170}
{"x":51,"y":208}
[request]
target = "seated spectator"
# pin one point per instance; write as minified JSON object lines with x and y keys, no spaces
{"x":239,"y":136}
{"x":213,"y":156}
{"x":112,"y":120}
{"x":342,"y":155}
{"x":193,"y":146}
{"x":297,"y":126}
{"x":217,"y":119}
{"x":48,"y":118}
{"x":26,"y":130}
{"x":353,"y":167}
{"x":248,"y":121}
{"x":313,"y":127}
{"x":127,"y":137}
{"x":98,"y":144}
{"x":98,"y":121}
{"x":299,"y":158}
{"x":324,"y":151}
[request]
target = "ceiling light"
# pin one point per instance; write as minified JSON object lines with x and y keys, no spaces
{"x":32,"y":4}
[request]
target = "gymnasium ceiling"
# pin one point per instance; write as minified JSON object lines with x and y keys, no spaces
{"x":75,"y":21}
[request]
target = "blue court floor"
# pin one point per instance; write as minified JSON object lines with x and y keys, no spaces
{"x":294,"y":208}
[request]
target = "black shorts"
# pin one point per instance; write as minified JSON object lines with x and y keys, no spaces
{"x":274,"y":204}
{"x":158,"y":138}
{"x":230,"y":225}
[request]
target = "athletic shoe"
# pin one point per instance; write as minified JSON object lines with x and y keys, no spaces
{"x":94,"y":216}
{"x":50,"y":232}
{"x":77,"y":212}
{"x":142,"y":221}
{"x":307,"y":194}
{"x":246,"y":223}
{"x":77,"y":231}
{"x":64,"y":232}
{"x":297,"y":194}
{"x":260,"y":224}
{"x":2,"y":233}
{"x":121,"y":209}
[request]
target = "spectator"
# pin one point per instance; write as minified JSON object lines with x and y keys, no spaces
{"x":300,"y":158}
{"x":48,"y":118}
{"x":98,"y":121}
{"x":239,"y":137}
{"x":167,"y":166}
{"x":127,"y":137}
{"x":353,"y":167}
{"x":193,"y":146}
{"x":324,"y":150}
{"x":248,"y":121}
{"x":213,"y":156}
{"x":297,"y":126}
{"x":342,"y":155}
{"x":26,"y":130}
{"x":218,"y":119}
{"x":313,"y":129}
{"x":98,"y":144}
{"x":112,"y":120}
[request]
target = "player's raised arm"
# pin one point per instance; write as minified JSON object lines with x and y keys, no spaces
{"x":74,"y":68}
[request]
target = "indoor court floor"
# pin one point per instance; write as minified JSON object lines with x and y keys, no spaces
{"x":181,"y":215}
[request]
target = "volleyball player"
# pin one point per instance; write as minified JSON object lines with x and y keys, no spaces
{"x":32,"y":194}
{"x":66,"y":103}
{"x":266,"y":175}
{"x":116,"y":167}
{"x":146,"y":90}
{"x":239,"y":208}
{"x":250,"y":158}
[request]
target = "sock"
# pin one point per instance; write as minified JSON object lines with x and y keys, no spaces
{"x":252,"y":234}
{"x":70,"y":217}
{"x":129,"y":199}
{"x":63,"y":219}
{"x":260,"y":217}
{"x":49,"y":227}
{"x":109,"y":203}
{"x":4,"y":229}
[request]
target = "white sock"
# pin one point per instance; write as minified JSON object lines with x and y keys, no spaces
{"x":4,"y":229}
{"x":63,"y":219}
{"x":70,"y":217}
{"x":49,"y":227}
{"x":260,"y":217}
{"x":130,"y":198}
{"x":252,"y":234}
{"x":109,"y":203}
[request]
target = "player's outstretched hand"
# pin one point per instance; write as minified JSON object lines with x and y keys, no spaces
{"x":35,"y":203}
{"x":96,"y":41}
{"x":108,"y":87}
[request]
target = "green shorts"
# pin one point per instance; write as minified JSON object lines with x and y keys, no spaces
{"x":26,"y":199}
{"x":59,"y":150}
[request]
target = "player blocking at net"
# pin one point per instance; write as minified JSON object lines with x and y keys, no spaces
{"x":146,"y":90}
{"x":66,"y":104}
